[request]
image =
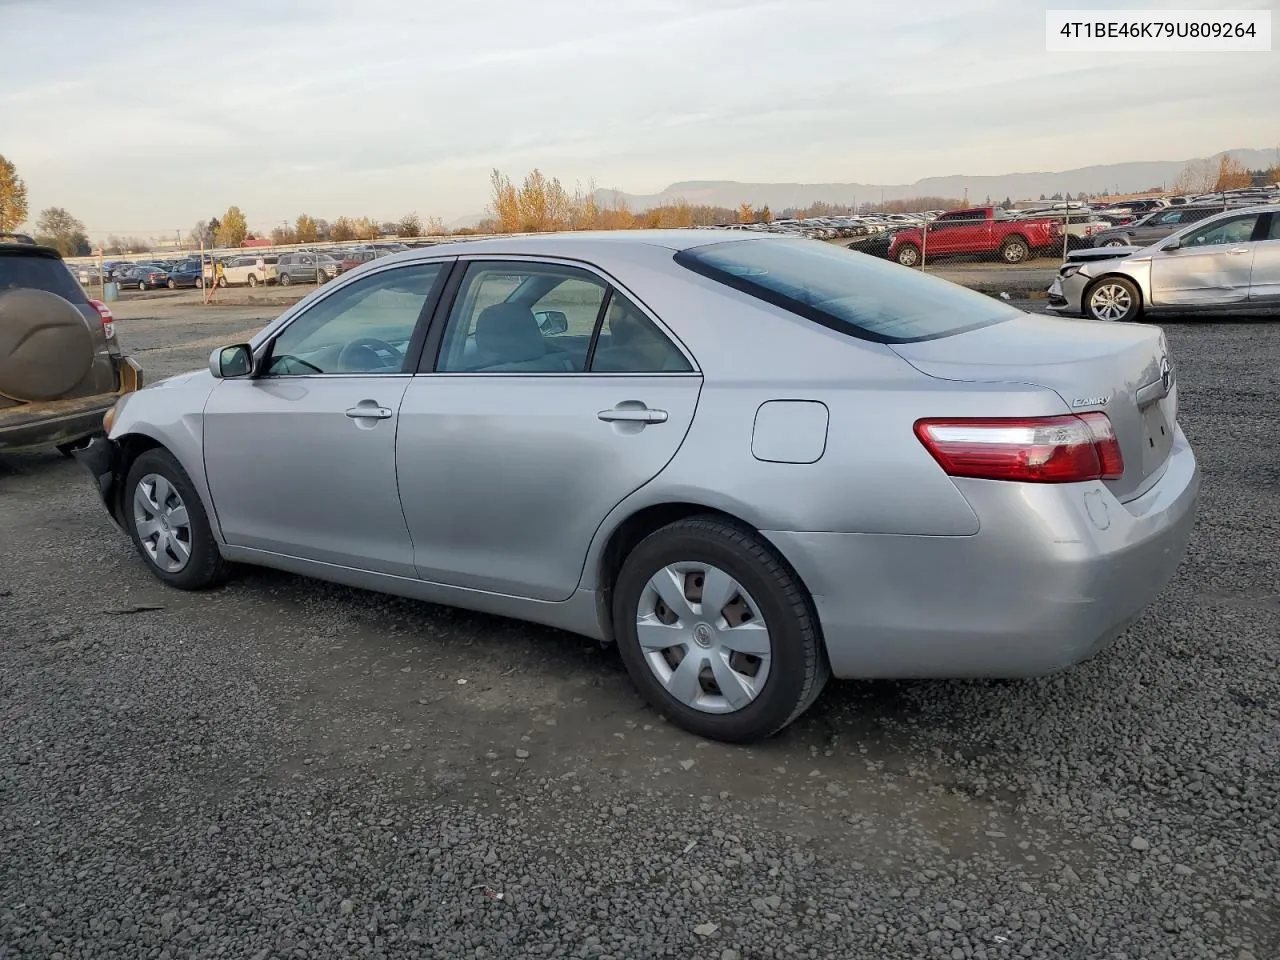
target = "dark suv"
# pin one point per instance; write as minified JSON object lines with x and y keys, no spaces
{"x":61,"y":368}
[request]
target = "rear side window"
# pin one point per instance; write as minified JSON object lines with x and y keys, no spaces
{"x":850,"y":292}
{"x":25,"y":272}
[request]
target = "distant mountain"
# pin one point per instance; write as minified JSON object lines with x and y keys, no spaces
{"x":1113,"y":177}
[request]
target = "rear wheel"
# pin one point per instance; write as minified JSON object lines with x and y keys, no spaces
{"x":222,"y":281}
{"x":168,"y":525}
{"x":1014,"y":250}
{"x":142,"y":285}
{"x":716,"y":633}
{"x":1116,"y":243}
{"x":1114,"y":299}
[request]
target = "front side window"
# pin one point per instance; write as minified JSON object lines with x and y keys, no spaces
{"x":364,"y":328}
{"x":847,"y":291}
{"x":1234,"y":230}
{"x":521,"y":318}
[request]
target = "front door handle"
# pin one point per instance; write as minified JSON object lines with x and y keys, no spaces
{"x":362,"y":412}
{"x":1236,"y":251}
{"x":632,"y":415}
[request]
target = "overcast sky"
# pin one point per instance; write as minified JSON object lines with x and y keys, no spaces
{"x":142,"y":116}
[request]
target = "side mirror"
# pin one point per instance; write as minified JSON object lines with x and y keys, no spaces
{"x":227,"y":363}
{"x":551,"y":322}
{"x":1174,"y":244}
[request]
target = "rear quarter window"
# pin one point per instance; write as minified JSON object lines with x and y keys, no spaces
{"x":850,"y":292}
{"x":25,"y":272}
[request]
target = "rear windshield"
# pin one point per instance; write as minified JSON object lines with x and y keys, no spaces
{"x":847,"y":291}
{"x":24,"y":272}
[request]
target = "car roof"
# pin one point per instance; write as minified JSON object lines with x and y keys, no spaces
{"x":579,"y":243}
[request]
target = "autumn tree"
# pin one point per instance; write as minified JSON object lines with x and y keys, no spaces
{"x":282,"y":235}
{"x":434,"y":227}
{"x":342,"y":230}
{"x":59,"y":229}
{"x":410,"y":225}
{"x":532,"y":202}
{"x":763,"y":215}
{"x":232,"y":229}
{"x":366,"y":228}
{"x":1197,"y":176}
{"x":305,"y":229}
{"x":504,"y":202}
{"x":746,"y":212}
{"x":13,"y":196}
{"x":1232,"y":174}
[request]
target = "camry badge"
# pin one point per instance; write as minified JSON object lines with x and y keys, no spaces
{"x":1090,"y":401}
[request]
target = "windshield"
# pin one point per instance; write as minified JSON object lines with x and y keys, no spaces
{"x":845,"y":290}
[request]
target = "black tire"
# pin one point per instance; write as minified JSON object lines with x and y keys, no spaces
{"x":173,"y":285}
{"x":199,"y":283}
{"x":285,"y":280}
{"x":142,"y":286}
{"x":1014,"y":250}
{"x":1128,"y":289}
{"x":205,"y":568}
{"x":908,"y":255}
{"x":222,"y":281}
{"x":253,"y":280}
{"x":46,"y":345}
{"x":799,"y":667}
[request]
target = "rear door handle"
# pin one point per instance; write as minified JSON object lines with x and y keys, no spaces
{"x":632,"y":415}
{"x":370,"y":413}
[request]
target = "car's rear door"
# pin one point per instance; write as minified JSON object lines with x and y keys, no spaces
{"x":300,"y":461}
{"x":515,"y":443}
{"x":1264,"y":284}
{"x":1212,"y":266}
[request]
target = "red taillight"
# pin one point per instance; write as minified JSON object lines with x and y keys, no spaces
{"x":1065,"y":449}
{"x":108,"y":320}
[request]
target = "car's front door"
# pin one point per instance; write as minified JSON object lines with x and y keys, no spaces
{"x":1211,"y":266}
{"x":1264,"y":285}
{"x":551,"y":397}
{"x":300,"y":459}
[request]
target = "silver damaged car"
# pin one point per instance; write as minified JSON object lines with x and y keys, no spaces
{"x":1227,"y":262}
{"x":750,"y":461}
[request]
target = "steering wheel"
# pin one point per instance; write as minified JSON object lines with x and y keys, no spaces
{"x":363,"y":354}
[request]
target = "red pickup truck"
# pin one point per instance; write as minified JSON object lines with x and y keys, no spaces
{"x":977,"y":230}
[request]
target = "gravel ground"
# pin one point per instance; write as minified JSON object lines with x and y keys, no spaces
{"x":284,"y":768}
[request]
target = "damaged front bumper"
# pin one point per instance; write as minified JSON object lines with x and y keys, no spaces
{"x":101,"y":457}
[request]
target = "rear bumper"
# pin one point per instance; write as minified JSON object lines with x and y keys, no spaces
{"x":34,"y":425}
{"x":1053,"y":576}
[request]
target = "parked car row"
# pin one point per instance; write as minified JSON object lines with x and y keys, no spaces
{"x":245,"y":269}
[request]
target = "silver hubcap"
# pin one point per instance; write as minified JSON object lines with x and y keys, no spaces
{"x":160,"y":517}
{"x":908,"y":257}
{"x":703,"y":637}
{"x":1110,"y":302}
{"x":1013,"y":253}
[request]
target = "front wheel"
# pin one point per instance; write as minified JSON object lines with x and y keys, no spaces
{"x":168,"y":525}
{"x":1114,"y":299}
{"x":908,"y":255}
{"x":222,"y":281}
{"x":716,"y":632}
{"x":172,"y":285}
{"x":285,"y":280}
{"x":142,"y":286}
{"x":253,"y":281}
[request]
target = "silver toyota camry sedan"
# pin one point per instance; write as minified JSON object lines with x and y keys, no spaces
{"x":750,"y":461}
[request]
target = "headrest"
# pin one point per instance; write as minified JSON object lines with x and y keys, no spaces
{"x":509,"y":333}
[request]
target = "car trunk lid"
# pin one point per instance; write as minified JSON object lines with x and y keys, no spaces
{"x":1121,"y":369}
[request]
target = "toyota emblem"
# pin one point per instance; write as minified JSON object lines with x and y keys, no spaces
{"x":1166,"y":374}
